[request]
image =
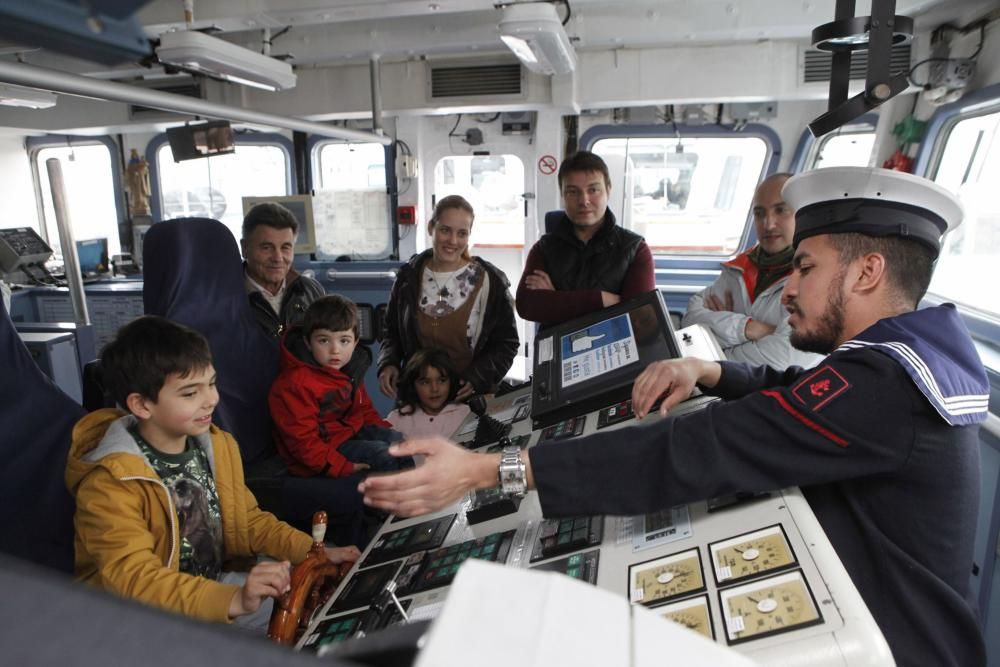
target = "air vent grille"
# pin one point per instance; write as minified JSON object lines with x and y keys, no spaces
{"x":453,"y":81}
{"x":818,"y":63}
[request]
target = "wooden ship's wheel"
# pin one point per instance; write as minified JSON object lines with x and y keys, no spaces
{"x":313,"y":582}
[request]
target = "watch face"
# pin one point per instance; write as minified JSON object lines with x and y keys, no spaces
{"x":751,"y":554}
{"x":767,"y":607}
{"x":666,"y":578}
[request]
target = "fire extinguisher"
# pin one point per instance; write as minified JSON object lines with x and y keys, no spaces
{"x":899,"y":161}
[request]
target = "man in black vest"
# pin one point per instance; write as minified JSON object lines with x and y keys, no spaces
{"x":278,"y":294}
{"x":588,"y":262}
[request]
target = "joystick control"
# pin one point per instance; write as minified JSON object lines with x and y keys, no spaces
{"x":488,"y":429}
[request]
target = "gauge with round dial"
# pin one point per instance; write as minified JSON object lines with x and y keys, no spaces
{"x":751,"y":554}
{"x":666,"y":578}
{"x":693,"y":614}
{"x":768,"y":606}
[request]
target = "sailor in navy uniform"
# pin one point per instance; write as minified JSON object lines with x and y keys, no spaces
{"x":881,"y":436}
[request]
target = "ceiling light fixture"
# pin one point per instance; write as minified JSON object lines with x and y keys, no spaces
{"x":536,"y":36}
{"x":30,"y":98}
{"x":193,"y":51}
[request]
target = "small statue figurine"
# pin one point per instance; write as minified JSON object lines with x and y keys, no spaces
{"x":137,"y":182}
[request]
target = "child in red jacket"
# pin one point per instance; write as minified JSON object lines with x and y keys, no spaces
{"x":326,"y":423}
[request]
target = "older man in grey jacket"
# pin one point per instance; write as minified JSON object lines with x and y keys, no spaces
{"x":742,"y":308}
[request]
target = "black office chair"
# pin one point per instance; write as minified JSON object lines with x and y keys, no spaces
{"x":95,"y":392}
{"x":36,"y":420}
{"x":551,"y":218}
{"x":193,"y":275}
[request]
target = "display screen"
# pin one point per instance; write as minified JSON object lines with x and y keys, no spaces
{"x":591,"y":361}
{"x":93,"y":256}
{"x":189,"y":142}
{"x":597,"y":350}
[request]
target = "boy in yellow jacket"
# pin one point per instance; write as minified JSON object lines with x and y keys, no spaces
{"x":161,"y":504}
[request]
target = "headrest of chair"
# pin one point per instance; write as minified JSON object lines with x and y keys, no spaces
{"x":551,"y":219}
{"x":190,"y":258}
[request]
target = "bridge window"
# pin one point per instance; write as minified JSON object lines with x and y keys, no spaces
{"x":90,"y":193}
{"x":970,"y":167}
{"x":351,"y":205}
{"x":686,"y":195}
{"x":844,"y":149}
{"x":214,"y":187}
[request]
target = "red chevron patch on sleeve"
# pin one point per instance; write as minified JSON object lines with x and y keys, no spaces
{"x":787,"y":407}
{"x":820,"y":387}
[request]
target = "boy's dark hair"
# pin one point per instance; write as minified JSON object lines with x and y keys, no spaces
{"x":270,"y":214}
{"x":406,"y":389}
{"x":909,"y":264}
{"x":332,"y":312}
{"x":146,"y":351}
{"x":584,"y":161}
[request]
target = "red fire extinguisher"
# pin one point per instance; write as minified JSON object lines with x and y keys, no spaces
{"x":899,"y":161}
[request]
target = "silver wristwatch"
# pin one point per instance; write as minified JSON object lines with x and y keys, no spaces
{"x":513,"y":479}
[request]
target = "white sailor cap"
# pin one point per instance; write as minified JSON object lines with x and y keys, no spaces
{"x":872,"y":201}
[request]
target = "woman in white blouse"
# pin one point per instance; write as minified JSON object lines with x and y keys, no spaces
{"x":444,"y":298}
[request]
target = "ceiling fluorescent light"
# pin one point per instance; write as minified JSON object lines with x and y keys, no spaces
{"x":197,"y":52}
{"x":16,"y":96}
{"x":535,"y":34}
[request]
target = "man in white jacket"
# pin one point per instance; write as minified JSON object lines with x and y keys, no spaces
{"x":743,"y":307}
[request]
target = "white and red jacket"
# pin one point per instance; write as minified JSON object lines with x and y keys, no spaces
{"x":738,"y":278}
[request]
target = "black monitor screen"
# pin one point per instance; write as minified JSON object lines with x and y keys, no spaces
{"x":188,"y":142}
{"x":591,"y":361}
{"x":93,"y":256}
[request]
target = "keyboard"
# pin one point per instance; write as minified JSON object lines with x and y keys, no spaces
{"x":557,"y":537}
{"x":438,"y":567}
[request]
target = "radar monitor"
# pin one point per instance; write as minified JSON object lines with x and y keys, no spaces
{"x":591,"y":361}
{"x":301,"y":207}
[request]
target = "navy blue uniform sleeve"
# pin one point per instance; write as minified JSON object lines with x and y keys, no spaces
{"x":834,"y":422}
{"x":740,"y":378}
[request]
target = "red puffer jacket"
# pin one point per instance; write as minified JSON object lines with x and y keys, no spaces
{"x":315,"y":409}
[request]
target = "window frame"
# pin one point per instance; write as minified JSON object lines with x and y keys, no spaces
{"x":313,"y":146}
{"x":808,"y":147}
{"x":255,"y":139}
{"x":984,"y":326}
{"x":34,"y":145}
{"x":772,"y":156}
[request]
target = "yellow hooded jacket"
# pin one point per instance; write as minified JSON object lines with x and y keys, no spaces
{"x":127,"y":538}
